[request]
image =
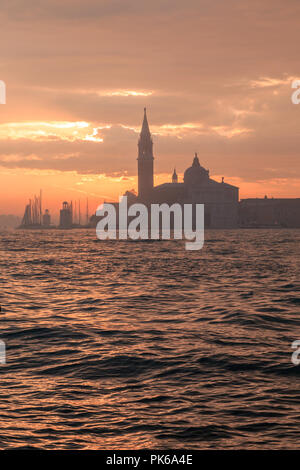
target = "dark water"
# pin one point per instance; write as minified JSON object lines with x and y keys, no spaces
{"x":136,"y":345}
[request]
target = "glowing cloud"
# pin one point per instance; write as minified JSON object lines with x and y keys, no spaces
{"x":126,"y":93}
{"x":266,"y":82}
{"x":43,"y":131}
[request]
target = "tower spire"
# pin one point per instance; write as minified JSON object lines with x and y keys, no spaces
{"x":145,"y":141}
{"x":145,"y":132}
{"x":145,"y":160}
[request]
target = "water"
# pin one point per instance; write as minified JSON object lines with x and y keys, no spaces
{"x":131,"y":345}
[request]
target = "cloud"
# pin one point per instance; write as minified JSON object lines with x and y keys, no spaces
{"x":75,"y":9}
{"x":215,"y":79}
{"x":266,"y":82}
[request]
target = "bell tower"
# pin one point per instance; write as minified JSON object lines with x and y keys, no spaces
{"x":145,"y":161}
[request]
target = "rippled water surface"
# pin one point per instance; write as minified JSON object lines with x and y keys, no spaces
{"x":130,"y":345}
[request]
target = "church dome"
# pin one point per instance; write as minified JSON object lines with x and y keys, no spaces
{"x":195,"y":174}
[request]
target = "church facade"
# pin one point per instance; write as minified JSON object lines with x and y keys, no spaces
{"x":220,"y":199}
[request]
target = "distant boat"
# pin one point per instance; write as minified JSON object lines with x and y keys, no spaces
{"x":32,"y":218}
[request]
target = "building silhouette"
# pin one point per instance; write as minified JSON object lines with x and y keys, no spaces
{"x":219,"y":198}
{"x":66,"y":215}
{"x":145,"y":161}
{"x":46,"y":218}
{"x":269,"y":212}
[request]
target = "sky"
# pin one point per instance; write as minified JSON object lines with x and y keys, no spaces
{"x":215,"y":78}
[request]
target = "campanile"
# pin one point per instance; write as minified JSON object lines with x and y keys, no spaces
{"x":145,"y":161}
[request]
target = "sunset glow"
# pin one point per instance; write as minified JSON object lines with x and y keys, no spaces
{"x":149,"y":230}
{"x":77,"y":118}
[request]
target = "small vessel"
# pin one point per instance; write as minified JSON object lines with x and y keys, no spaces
{"x":32,"y":218}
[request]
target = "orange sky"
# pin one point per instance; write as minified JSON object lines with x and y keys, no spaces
{"x":215,"y":79}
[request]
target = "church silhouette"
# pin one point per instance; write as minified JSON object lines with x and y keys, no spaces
{"x":221,"y":200}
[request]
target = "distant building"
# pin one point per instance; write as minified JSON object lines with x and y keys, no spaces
{"x":220,"y":199}
{"x":66,"y":215}
{"x":46,"y":219}
{"x":269,"y":212}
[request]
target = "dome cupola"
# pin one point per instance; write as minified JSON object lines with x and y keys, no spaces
{"x":195,"y":174}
